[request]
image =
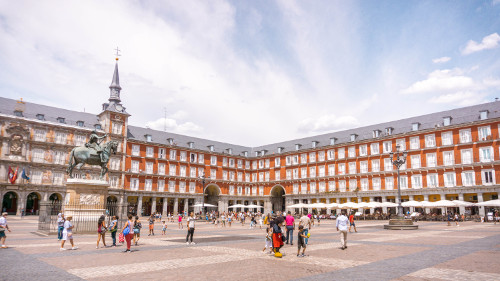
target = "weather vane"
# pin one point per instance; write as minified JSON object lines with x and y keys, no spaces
{"x":117,"y":53}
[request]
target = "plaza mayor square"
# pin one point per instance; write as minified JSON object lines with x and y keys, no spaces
{"x":249,"y":140}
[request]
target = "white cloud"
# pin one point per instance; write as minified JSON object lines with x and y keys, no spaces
{"x":492,"y":82}
{"x":488,"y":42}
{"x":441,"y":80}
{"x":172,"y":126}
{"x":465,"y":98}
{"x":327,"y":123}
{"x":441,"y":60}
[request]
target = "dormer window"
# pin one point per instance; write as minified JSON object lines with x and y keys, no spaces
{"x":98,"y":127}
{"x":229,"y":151}
{"x":40,"y":117}
{"x":389,"y":130}
{"x":314,"y":144}
{"x":79,"y":123}
{"x":149,"y":138}
{"x":18,"y":113}
{"x":354,"y":137}
{"x":263,"y":152}
{"x":297,"y":146}
{"x":61,"y":120}
{"x":483,"y":115}
{"x":415,"y":126}
{"x":256,"y":154}
{"x":447,"y":121}
{"x":211,"y":148}
{"x":333,"y":141}
{"x":191,"y":144}
{"x":245,"y":153}
{"x":376,"y":133}
{"x":280,"y":149}
{"x":170,"y":141}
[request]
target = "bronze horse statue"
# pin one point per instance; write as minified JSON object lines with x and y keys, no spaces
{"x":83,"y":155}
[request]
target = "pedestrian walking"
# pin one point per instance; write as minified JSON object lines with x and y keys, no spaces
{"x":269,"y":245}
{"x":261,"y":221}
{"x":60,"y":226}
{"x":190,"y":226}
{"x":351,"y":222}
{"x":128,"y":232}
{"x":68,"y":234}
{"x":180,"y":222}
{"x":3,"y":227}
{"x":449,"y":218}
{"x":164,"y":228}
{"x":300,"y":242}
{"x":223,"y":220}
{"x":341,"y":225}
{"x":305,"y":221}
{"x":456,"y":219}
{"x":101,"y":231}
{"x":290,"y":227}
{"x":137,"y":230}
{"x":113,"y":228}
{"x":151,"y":225}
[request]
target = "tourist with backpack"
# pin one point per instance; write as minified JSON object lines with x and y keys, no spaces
{"x":128,"y":232}
{"x":137,"y":230}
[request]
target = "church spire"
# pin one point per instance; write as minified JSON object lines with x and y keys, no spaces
{"x":115,"y":83}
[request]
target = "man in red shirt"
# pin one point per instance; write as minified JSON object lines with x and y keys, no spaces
{"x":290,"y":226}
{"x":351,"y":222}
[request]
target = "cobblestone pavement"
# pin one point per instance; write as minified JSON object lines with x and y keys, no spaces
{"x":433,"y":252}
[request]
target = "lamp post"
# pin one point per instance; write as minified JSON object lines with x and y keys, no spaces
{"x":398,"y":160}
{"x":202,"y":177}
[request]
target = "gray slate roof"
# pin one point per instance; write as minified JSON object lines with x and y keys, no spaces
{"x":8,"y":106}
{"x":428,"y":121}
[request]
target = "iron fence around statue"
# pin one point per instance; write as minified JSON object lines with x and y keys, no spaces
{"x":84,"y":217}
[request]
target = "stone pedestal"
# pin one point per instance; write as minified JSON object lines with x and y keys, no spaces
{"x":400,"y":224}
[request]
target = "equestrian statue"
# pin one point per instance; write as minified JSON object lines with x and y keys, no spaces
{"x":92,"y":153}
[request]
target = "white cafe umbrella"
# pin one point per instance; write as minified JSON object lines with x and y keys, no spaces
{"x":348,"y":205}
{"x":388,"y":204}
{"x":237,"y":206}
{"x":462,"y":203}
{"x":253,"y":206}
{"x":318,"y":205}
{"x":441,"y":203}
{"x":491,"y":203}
{"x":413,"y":203}
{"x":201,"y":205}
{"x":299,"y":205}
{"x":332,"y":205}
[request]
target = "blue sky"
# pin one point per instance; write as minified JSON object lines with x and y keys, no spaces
{"x":253,"y":72}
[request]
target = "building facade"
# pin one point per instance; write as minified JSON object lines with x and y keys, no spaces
{"x":451,"y":155}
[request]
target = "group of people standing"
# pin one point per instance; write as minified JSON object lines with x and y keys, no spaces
{"x":65,"y":231}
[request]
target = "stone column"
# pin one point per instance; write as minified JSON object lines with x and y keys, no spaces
{"x":21,"y":203}
{"x":412,"y":209}
{"x":267,"y":206}
{"x":461,"y":208}
{"x":1,"y":201}
{"x":186,"y":205}
{"x":482,"y":212}
{"x":176,"y":206}
{"x":372,"y":210}
{"x":442,"y":197}
{"x":122,"y":207}
{"x":139,"y":205}
{"x":44,"y":218}
{"x":384,"y":209}
{"x":328,"y":210}
{"x":309,"y":210}
{"x":153,"y":205}
{"x":165,"y":207}
{"x":426,"y":198}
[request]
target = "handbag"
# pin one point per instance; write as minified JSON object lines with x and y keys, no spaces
{"x":121,"y":238}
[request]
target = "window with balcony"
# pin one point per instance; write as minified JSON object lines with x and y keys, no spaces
{"x":331,"y":154}
{"x":201,"y":159}
{"x":161,"y":168}
{"x":321,"y":156}
{"x":430,"y":141}
{"x":312,"y":157}
{"x":376,"y":182}
{"x":415,"y":161}
{"x":277,"y":175}
{"x":173,"y":155}
{"x":303,"y":158}
{"x":295,"y":173}
{"x":148,"y":185}
{"x":182,"y":187}
{"x":288,"y":174}
{"x":172,"y":171}
{"x":136,"y":150}
{"x":213,"y":174}
{"x":466,"y":156}
{"x":353,"y":184}
{"x":374,"y":148}
{"x":134,"y":184}
{"x":331,"y":186}
{"x":240,"y":164}
{"x":488,"y":177}
{"x":40,"y":135}
{"x":403,"y":183}
{"x":135,"y":166}
{"x":303,"y":173}
{"x":402,"y":144}
{"x":341,"y":169}
{"x":342,"y":186}
{"x":486,"y":154}
{"x":150,"y":151}
{"x":468,"y":178}
{"x":60,"y":158}
{"x":171,"y":186}
{"x":239,"y":190}
{"x":432,"y":180}
{"x":80,"y":140}
{"x":61,"y":137}
{"x":387,"y":146}
{"x":161,"y":186}
{"x":213,"y":160}
{"x":389,"y":183}
{"x":331,"y":170}
{"x":183,"y":156}
{"x":431,"y":160}
{"x":387,"y":164}
{"x":465,"y":136}
{"x":484,"y":133}
{"x":149,"y":167}
{"x":341,"y":153}
{"x":364,"y":184}
{"x":351,"y":151}
{"x":414,"y":143}
{"x":192,"y":187}
{"x":116,"y":128}
{"x":303,"y":188}
{"x":448,"y":158}
{"x":312,"y":172}
{"x":192,"y":157}
{"x":231,"y":190}
{"x":375,"y":165}
{"x":231,"y":162}
{"x":192,"y":172}
{"x":363,"y":150}
{"x":363,"y":167}
{"x":449,"y":180}
{"x":277,"y":162}
{"x":254,"y":190}
{"x":416,"y":181}
{"x":447,"y":138}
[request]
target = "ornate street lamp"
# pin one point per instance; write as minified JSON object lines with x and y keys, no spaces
{"x":398,"y":161}
{"x":202,"y":177}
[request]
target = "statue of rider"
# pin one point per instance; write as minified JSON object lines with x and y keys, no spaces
{"x":94,"y":142}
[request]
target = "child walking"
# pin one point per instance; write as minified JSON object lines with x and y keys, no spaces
{"x":269,"y":244}
{"x":301,"y":243}
{"x":164,"y":228}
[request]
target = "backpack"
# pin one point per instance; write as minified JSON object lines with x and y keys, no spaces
{"x":276,"y":228}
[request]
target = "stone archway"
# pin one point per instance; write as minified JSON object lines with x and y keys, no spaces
{"x":55,"y":198}
{"x":32,"y":203}
{"x":212,"y":192}
{"x":278,"y":198}
{"x":9,"y":203}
